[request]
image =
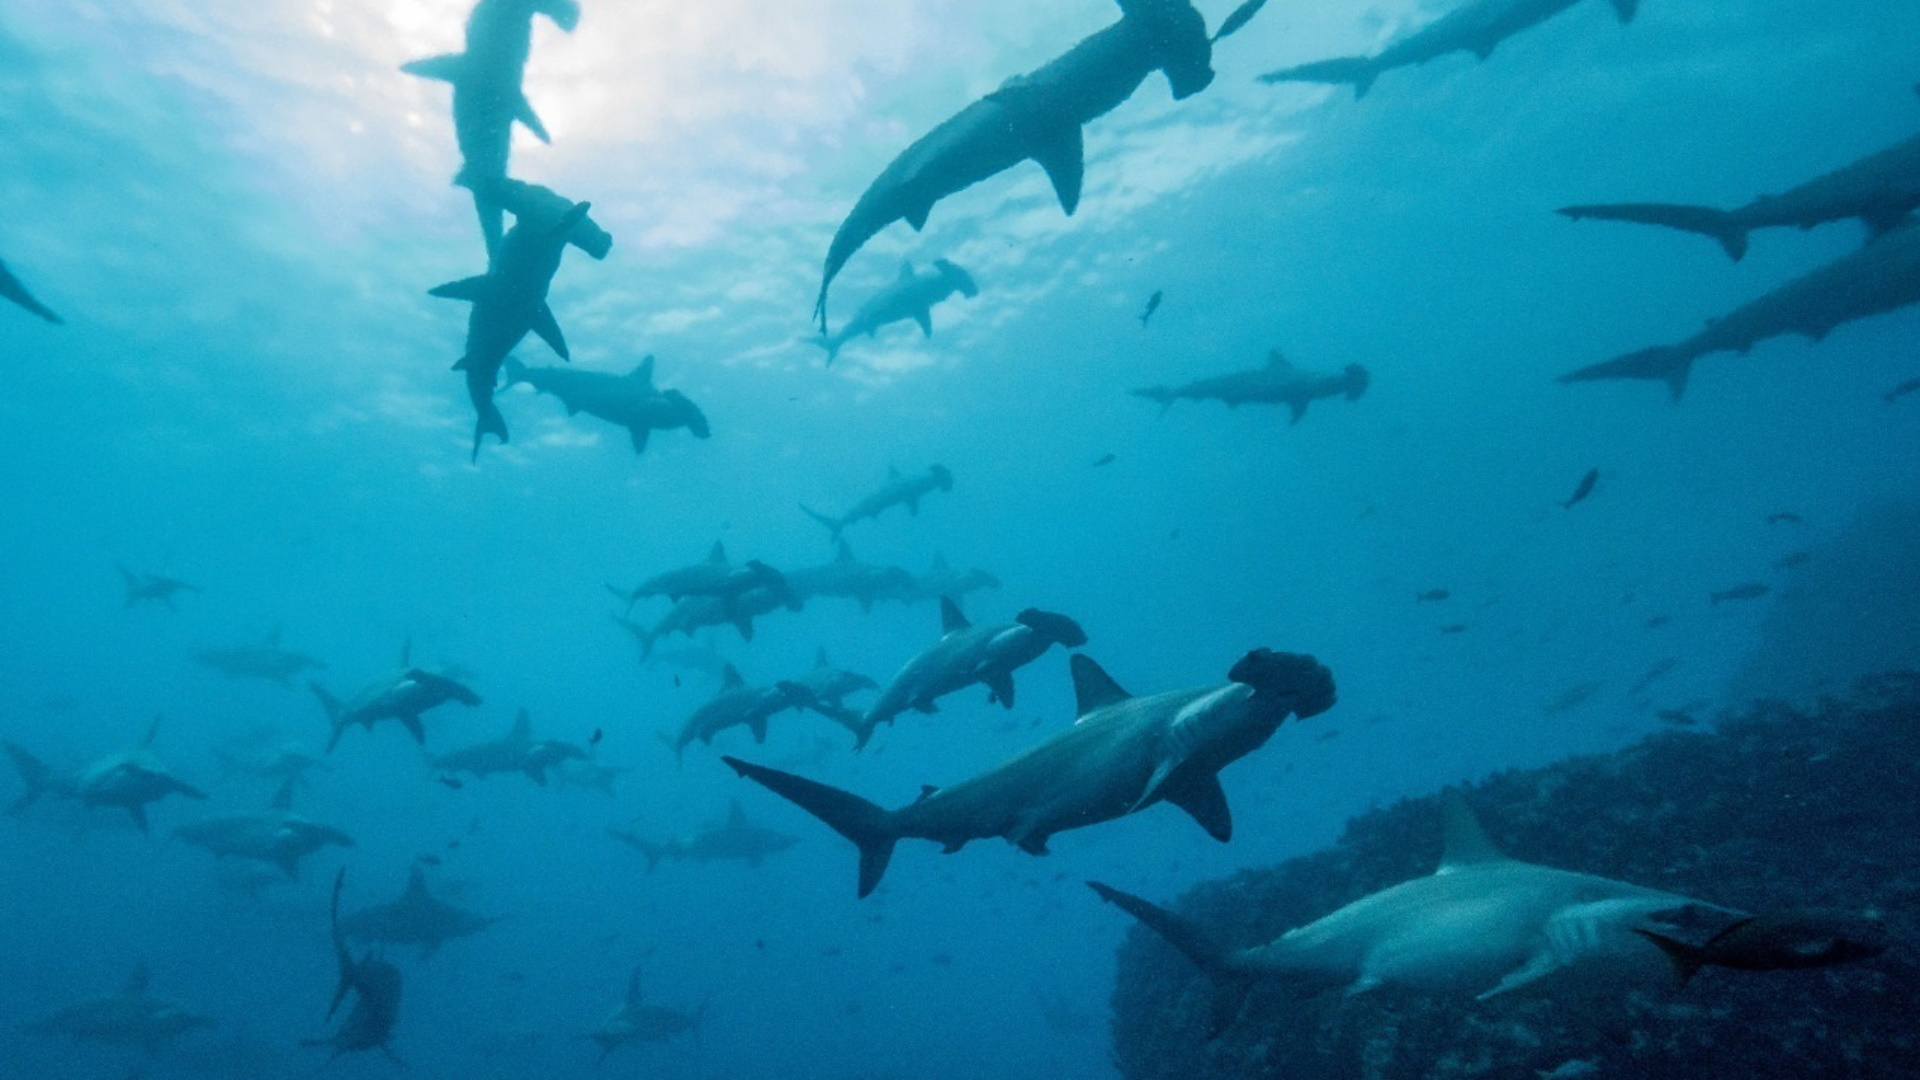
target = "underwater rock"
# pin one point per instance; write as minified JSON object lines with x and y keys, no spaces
{"x":1778,"y":808}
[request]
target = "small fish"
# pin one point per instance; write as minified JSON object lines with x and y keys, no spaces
{"x":1585,"y":489}
{"x":1240,"y":17}
{"x":1103,"y":461}
{"x":1785,"y":517}
{"x":1153,"y":305}
{"x":1652,"y":675}
{"x":1434,"y":595}
{"x":1751,"y":590}
{"x":1793,"y":559}
{"x":676,"y":682}
{"x":1571,"y":698}
{"x":1454,"y":628}
{"x":594,"y":739}
{"x":1658,"y":621}
{"x":1901,"y":391}
{"x":1677,"y":717}
{"x":452,"y":782}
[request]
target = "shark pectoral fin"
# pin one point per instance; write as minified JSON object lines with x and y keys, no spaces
{"x":639,"y":436}
{"x":1299,"y":407}
{"x":999,"y":687}
{"x":470,"y":289}
{"x":917,"y":216}
{"x":412,"y":724}
{"x":548,"y":330}
{"x":523,"y":112}
{"x":446,"y":68}
{"x":1206,"y":801}
{"x":925,"y":318}
{"x":1154,"y":783}
{"x":1539,"y":965}
{"x":1063,"y":154}
{"x":1028,"y":838}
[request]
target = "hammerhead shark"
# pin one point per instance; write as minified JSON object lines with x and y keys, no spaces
{"x":375,"y":984}
{"x":401,"y":696}
{"x":1478,"y":27}
{"x":417,"y":918}
{"x":152,"y":588}
{"x":509,"y":301}
{"x":1881,"y":190}
{"x":129,"y":780}
{"x":897,"y":491}
{"x":487,"y":98}
{"x":1880,"y":277}
{"x":1481,"y":925}
{"x":1278,"y":383}
{"x":681,"y":581}
{"x":944,"y":580}
{"x":1035,"y":116}
{"x":517,"y":751}
{"x":828,"y":686}
{"x":275,"y":836}
{"x":11,"y":289}
{"x":266,"y":660}
{"x":132,"y":1017}
{"x":852,"y":579}
{"x":967,"y":654}
{"x":735,"y":839}
{"x":634,"y":1021}
{"x":910,"y":296}
{"x":698,"y":612}
{"x":739,"y":705}
{"x":1122,"y":755}
{"x":630,"y":401}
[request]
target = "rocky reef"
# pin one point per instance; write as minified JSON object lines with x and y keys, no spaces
{"x":1778,"y":807}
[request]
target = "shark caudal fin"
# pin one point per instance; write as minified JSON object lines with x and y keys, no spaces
{"x":33,"y":772}
{"x":1358,"y":71}
{"x":870,"y":827}
{"x":1667,"y":363}
{"x":487,"y":421}
{"x":334,"y":710}
{"x":1704,"y":220}
{"x":340,"y":954}
{"x":833,"y":526}
{"x":1230,"y":982}
{"x":829,"y":342}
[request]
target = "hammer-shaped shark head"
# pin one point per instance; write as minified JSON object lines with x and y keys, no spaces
{"x":688,"y":414}
{"x":941,"y":476}
{"x":1177,"y":34}
{"x":1302,"y":682}
{"x":1053,"y":627}
{"x":958,"y":278}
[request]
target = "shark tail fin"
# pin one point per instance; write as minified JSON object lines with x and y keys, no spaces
{"x":1230,"y":982}
{"x":832,"y":525}
{"x":830,"y":343}
{"x":34,"y":772}
{"x":340,"y":953}
{"x":1670,"y":364}
{"x":1358,"y":71}
{"x":1704,"y":220}
{"x":870,"y":827}
{"x":1687,"y":959}
{"x":487,"y":421}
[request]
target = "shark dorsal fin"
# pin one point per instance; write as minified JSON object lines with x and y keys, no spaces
{"x":1277,"y":361}
{"x":416,"y":886}
{"x":718,"y":555}
{"x":633,"y":988}
{"x":1466,"y":842}
{"x":283,"y":799}
{"x":153,"y":731}
{"x":643,"y":373}
{"x":736,"y":817}
{"x":730,"y":678}
{"x":951,"y":618}
{"x":820,"y":658}
{"x":844,"y":554}
{"x":522,"y":727}
{"x":136,"y":982}
{"x":906,"y":271}
{"x":1093,"y":688}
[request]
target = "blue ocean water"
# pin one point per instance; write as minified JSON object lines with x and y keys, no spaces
{"x":238,"y":210}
